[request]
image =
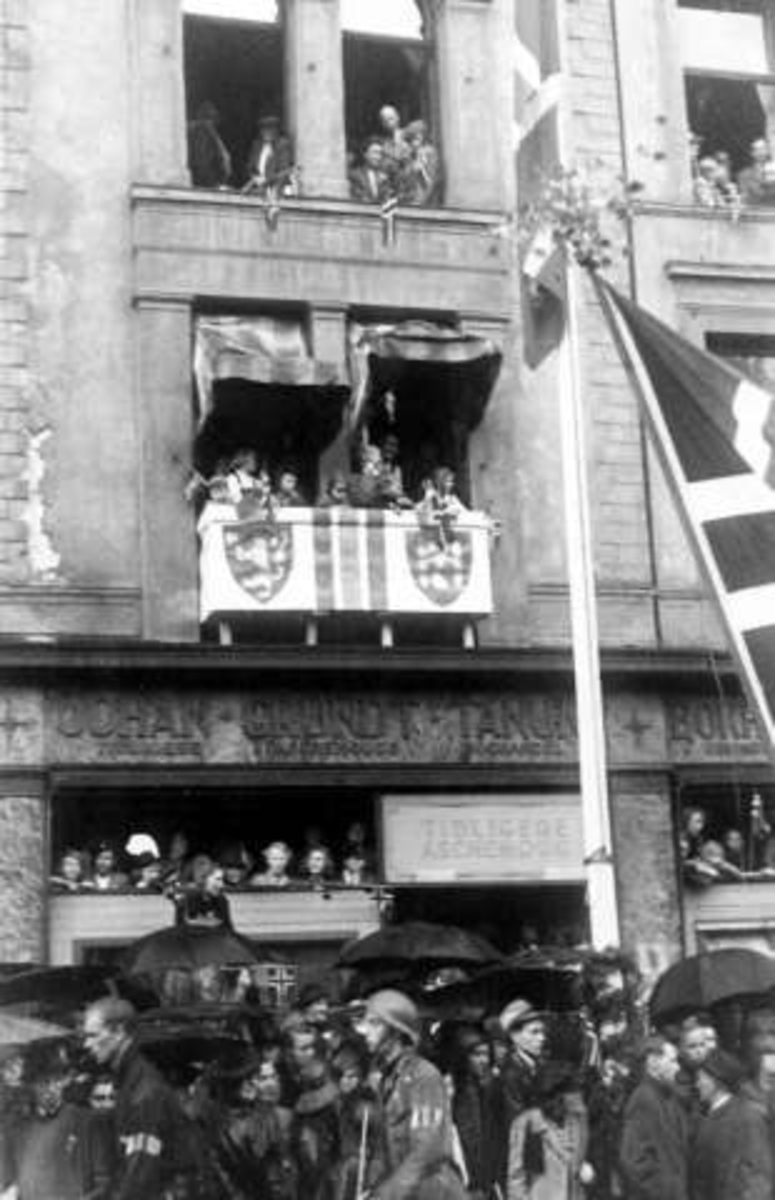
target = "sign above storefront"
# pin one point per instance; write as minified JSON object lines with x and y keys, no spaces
{"x":476,"y":838}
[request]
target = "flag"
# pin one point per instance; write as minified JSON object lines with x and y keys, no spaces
{"x":713,"y":430}
{"x":537,"y":87}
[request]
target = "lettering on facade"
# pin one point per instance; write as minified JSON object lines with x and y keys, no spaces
{"x":289,"y":727}
{"x":712,"y":730}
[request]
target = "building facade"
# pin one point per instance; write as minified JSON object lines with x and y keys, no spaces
{"x":282,"y":678}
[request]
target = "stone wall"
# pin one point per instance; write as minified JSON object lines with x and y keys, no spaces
{"x":23,"y":873}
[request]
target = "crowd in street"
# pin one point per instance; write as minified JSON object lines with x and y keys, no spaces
{"x":368,"y":1101}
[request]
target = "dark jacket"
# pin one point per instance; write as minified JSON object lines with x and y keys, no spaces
{"x":479,"y":1116}
{"x":731,"y":1154}
{"x":418,"y":1134}
{"x":655,"y":1144}
{"x":519,"y":1077}
{"x":155,"y":1138}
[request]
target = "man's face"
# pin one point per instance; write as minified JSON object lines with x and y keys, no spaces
{"x":350,"y":1081}
{"x":71,"y":868}
{"x":100,"y":1040}
{"x":304,"y":1049}
{"x":479,"y":1060}
{"x":268,"y":1084}
{"x":374,"y":1031}
{"x":694,"y":1047}
{"x":389,"y":118}
{"x":103,"y":1096}
{"x":103,"y":864}
{"x":666,"y":1064}
{"x":530,"y":1038}
{"x":317,"y":1012}
{"x":48,"y":1096}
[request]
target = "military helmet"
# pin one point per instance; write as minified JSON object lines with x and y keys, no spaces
{"x":397,"y":1011}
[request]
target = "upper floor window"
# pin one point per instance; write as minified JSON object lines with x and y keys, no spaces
{"x":390,"y":120}
{"x":727,"y":49}
{"x":233,"y":64}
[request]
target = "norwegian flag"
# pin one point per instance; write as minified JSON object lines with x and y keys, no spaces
{"x":713,"y":430}
{"x":537,"y":91}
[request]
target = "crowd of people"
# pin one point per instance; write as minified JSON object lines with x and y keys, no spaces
{"x":370,"y":1102}
{"x":245,"y":488}
{"x":188,"y":877}
{"x":398,"y":163}
{"x":727,"y":853}
{"x":716,"y":186}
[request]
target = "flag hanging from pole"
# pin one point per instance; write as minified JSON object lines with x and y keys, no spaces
{"x":713,"y":430}
{"x":537,"y":88}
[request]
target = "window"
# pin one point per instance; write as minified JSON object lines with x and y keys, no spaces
{"x":233,"y":65}
{"x":726,"y":835}
{"x":727,"y":54}
{"x":388,"y":64}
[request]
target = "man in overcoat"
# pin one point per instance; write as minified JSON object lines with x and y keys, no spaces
{"x":655,"y":1135}
{"x":731,"y":1158}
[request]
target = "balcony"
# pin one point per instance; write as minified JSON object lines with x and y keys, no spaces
{"x":319,"y":562}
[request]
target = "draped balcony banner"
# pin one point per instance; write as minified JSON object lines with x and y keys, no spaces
{"x":315,"y":561}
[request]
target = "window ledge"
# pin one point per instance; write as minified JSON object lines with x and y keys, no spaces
{"x":695,"y":212}
{"x":230,"y":200}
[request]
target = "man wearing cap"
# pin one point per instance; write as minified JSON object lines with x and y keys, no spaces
{"x":152,"y":1132}
{"x":655,"y":1134}
{"x":415,"y":1105}
{"x":731,"y":1158}
{"x":525,"y":1028}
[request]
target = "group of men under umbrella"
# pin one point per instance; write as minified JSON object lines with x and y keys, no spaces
{"x":424,"y":1090}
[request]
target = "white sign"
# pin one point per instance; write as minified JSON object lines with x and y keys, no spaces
{"x":482,"y":838}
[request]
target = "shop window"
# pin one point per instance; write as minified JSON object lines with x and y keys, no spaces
{"x":729,"y":73}
{"x":727,"y":835}
{"x":234,"y":77}
{"x":391,"y":122}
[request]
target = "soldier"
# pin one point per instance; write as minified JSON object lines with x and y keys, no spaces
{"x":415,"y":1104}
{"x":155,"y":1144}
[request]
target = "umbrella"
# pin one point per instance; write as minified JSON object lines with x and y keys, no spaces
{"x":706,"y":979}
{"x":21,"y":1030}
{"x":72,"y":986}
{"x":188,"y":948}
{"x":421,"y":943}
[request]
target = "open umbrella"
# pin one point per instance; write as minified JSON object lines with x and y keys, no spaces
{"x":188,"y":948}
{"x":419,"y":942}
{"x":20,"y":1030}
{"x":706,"y":979}
{"x":69,"y":987}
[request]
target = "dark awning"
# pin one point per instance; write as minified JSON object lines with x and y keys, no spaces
{"x":256,"y":382}
{"x":452,"y":369}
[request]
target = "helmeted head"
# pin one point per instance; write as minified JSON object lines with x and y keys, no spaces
{"x":389,"y":1014}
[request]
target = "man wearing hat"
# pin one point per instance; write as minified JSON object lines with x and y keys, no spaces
{"x":415,"y":1106}
{"x":655,"y":1134}
{"x":270,"y":160}
{"x":525,"y":1028}
{"x":731,"y":1158}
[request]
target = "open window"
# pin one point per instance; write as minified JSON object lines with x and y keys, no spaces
{"x":260,"y":391}
{"x":388,"y":62}
{"x":729,"y":70}
{"x":234,"y":76}
{"x":423,"y":387}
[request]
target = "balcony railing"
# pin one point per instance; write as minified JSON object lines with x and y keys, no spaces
{"x":319,"y":561}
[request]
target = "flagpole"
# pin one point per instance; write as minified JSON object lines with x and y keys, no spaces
{"x":596,"y":822}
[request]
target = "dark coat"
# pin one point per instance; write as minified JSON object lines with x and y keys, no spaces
{"x":655,"y":1144}
{"x":156,"y":1140}
{"x":731,"y":1157}
{"x":518,"y":1079}
{"x":418,"y":1134}
{"x":479,"y":1116}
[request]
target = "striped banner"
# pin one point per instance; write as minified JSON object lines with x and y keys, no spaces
{"x":318,"y":561}
{"x":712,"y":428}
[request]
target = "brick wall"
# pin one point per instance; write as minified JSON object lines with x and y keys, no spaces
{"x":619,"y":517}
{"x":14,"y":275}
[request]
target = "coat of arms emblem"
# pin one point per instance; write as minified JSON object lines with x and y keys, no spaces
{"x":260,"y":556}
{"x":440,"y":565}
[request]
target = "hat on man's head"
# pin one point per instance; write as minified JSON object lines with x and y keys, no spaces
{"x":311,"y":993}
{"x":519,"y":1013}
{"x":724,"y":1067}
